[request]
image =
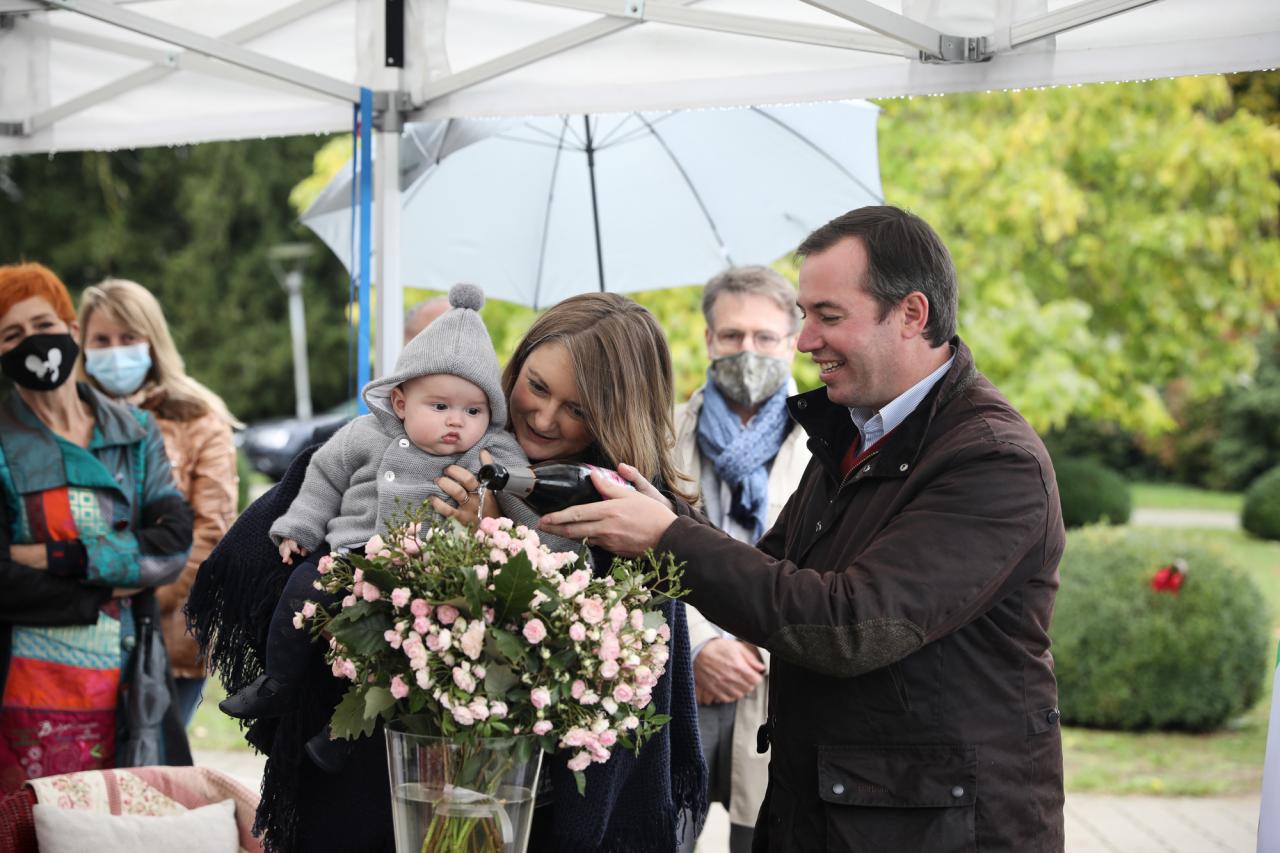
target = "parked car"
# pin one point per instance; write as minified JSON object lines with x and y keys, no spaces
{"x":271,"y":445}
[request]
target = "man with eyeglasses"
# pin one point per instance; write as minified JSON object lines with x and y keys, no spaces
{"x":736,"y":440}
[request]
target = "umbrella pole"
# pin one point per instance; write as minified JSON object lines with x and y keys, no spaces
{"x":595,"y":211}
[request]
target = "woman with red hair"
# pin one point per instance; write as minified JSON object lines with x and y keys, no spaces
{"x":90,"y":522}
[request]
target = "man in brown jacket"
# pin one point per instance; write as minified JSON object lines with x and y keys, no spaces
{"x":905,"y":592}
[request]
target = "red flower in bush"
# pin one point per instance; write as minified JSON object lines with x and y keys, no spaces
{"x":1171,"y":577}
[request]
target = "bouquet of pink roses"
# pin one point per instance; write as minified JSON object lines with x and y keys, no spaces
{"x":482,"y":633}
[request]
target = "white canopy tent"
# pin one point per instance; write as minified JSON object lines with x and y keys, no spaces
{"x":92,"y":74}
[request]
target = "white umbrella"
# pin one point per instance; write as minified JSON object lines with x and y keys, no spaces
{"x":538,"y":209}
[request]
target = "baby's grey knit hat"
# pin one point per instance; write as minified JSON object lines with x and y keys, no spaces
{"x":455,"y":342}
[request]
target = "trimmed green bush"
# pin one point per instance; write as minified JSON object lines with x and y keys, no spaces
{"x":1261,"y":514}
{"x":1129,"y":657}
{"x":1091,"y":493}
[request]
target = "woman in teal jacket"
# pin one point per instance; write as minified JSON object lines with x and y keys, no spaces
{"x":90,"y":521}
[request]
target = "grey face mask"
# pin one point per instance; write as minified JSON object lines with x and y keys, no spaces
{"x":749,"y":378}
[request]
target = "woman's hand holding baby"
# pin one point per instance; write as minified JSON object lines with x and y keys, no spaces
{"x":462,"y":486}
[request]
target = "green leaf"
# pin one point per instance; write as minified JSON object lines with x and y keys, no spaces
{"x":377,"y":700}
{"x":349,"y":720}
{"x":498,"y":679}
{"x":654,"y":619}
{"x":417,"y":701}
{"x":508,"y":644}
{"x":563,"y":659}
{"x":580,"y":779}
{"x":473,"y":590}
{"x":361,"y":627}
{"x":384,"y":579}
{"x":513,"y":587}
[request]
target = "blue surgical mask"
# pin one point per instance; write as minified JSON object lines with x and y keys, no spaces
{"x":119,"y":370}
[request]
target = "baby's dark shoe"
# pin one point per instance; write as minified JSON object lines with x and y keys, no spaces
{"x":328,"y":753}
{"x":264,"y":697}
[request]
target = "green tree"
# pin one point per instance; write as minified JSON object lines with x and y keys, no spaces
{"x":193,"y":224}
{"x":1110,"y":239}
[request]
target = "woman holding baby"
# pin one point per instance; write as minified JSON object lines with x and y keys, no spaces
{"x":590,"y":382}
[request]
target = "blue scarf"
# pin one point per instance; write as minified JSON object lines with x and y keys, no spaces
{"x":741,"y":454}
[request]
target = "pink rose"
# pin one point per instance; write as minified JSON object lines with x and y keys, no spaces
{"x":462,"y":714}
{"x":309,"y":609}
{"x":297,"y":621}
{"x":578,"y":688}
{"x":637,"y":620}
{"x":400,"y":596}
{"x":472,"y":639}
{"x":577,"y":632}
{"x":617,"y":616}
{"x":446,"y":614}
{"x":534,"y":631}
{"x":608,"y":737}
{"x":325,"y":565}
{"x":463,"y":679}
{"x":664,"y":632}
{"x":609,"y":648}
{"x":398,"y":688}
{"x":371,"y":592}
{"x":497,"y":556}
{"x":422,"y":625}
{"x":623,"y":693}
{"x":540,"y":697}
{"x":576,"y":736}
{"x":501,"y":539}
{"x":592,"y":611}
{"x":498,"y":710}
{"x":579,"y":762}
{"x":541,"y":727}
{"x":482,"y":572}
{"x":349,"y":601}
{"x":393,"y":639}
{"x":489,"y":525}
{"x":631,"y":722}
{"x":423,"y":677}
{"x":609,"y":669}
{"x":419,"y":607}
{"x":410,"y":545}
{"x":373,"y":546}
{"x":357,"y":576}
{"x":479,"y":709}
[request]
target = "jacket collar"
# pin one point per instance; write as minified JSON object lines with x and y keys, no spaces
{"x":31,"y":451}
{"x":831,"y":430}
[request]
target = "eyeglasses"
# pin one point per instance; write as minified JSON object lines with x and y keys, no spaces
{"x":764,"y":341}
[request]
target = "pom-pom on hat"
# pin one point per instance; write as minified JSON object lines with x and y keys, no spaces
{"x":456,"y":342}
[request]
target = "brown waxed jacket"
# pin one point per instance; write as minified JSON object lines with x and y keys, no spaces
{"x":913,"y":705}
{"x":204,"y":467}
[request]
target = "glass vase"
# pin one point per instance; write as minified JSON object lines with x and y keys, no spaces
{"x":473,"y":795}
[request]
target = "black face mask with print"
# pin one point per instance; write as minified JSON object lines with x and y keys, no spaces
{"x":41,"y":362}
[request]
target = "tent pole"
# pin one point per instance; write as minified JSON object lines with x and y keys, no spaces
{"x":386,"y":198}
{"x":595,"y":210}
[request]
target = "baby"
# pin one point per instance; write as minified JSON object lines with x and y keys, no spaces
{"x":441,"y":407}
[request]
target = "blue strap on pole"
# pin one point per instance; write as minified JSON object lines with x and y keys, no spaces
{"x":366,"y":241}
{"x":353,"y":271}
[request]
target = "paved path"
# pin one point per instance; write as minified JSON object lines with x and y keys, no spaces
{"x":1214,"y":519}
{"x":1094,"y":823}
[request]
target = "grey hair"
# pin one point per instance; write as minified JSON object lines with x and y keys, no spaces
{"x":752,"y":281}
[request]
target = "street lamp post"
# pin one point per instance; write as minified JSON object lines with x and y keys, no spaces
{"x":286,"y":260}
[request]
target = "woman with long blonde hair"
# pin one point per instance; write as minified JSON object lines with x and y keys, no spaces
{"x":592,"y":382}
{"x":129,"y":354}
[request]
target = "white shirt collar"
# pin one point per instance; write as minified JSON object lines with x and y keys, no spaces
{"x":873,"y":426}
